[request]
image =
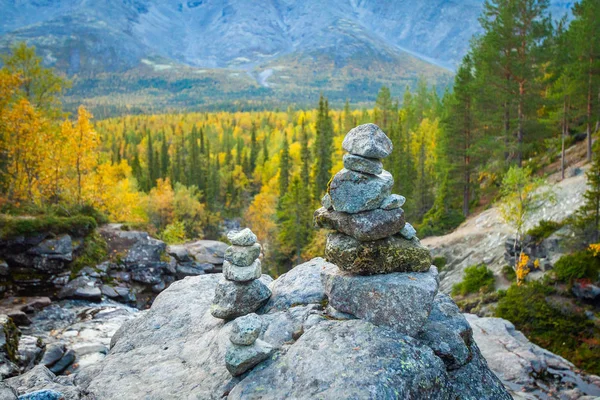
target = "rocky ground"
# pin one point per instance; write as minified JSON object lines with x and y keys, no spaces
{"x":482,"y":237}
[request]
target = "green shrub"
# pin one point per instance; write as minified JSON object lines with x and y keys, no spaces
{"x":478,"y":278}
{"x":174,"y":233}
{"x":509,"y":273}
{"x":440,"y":223}
{"x":14,"y":226}
{"x":92,"y":253}
{"x":578,"y":265}
{"x":571,"y":335}
{"x":544,"y":229}
{"x":439,"y":262}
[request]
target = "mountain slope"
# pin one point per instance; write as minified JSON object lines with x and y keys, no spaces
{"x":346,"y":47}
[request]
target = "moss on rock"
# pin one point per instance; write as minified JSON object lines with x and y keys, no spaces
{"x":392,"y":254}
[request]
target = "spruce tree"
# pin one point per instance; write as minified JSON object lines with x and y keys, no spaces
{"x":323,"y":148}
{"x":304,"y":156}
{"x":150,"y":173}
{"x":284,"y":167}
{"x":588,"y":216}
{"x":254,"y":149}
{"x":265,"y":150}
{"x":164,"y":157}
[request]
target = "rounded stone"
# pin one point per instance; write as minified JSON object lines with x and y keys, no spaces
{"x":232,"y":272}
{"x":353,"y":192}
{"x":363,"y":164}
{"x":364,"y":226}
{"x":408,"y":232}
{"x":239,"y":359}
{"x":245,"y":237}
{"x":326,"y":201}
{"x":234,"y":299}
{"x":245,"y":330}
{"x":392,"y":254}
{"x":242,"y":256}
{"x":393,"y":201}
{"x":369,"y":141}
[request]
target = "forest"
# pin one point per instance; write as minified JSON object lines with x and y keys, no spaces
{"x":528,"y":88}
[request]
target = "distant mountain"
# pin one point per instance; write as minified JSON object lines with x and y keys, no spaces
{"x":345,"y":48}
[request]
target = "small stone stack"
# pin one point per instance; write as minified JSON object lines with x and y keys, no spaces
{"x":241,"y":292}
{"x":245,"y":350}
{"x":372,"y":235}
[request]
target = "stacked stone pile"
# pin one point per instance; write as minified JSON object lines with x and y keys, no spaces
{"x":245,"y":350}
{"x":383,"y":275}
{"x":371,"y":235}
{"x":240,"y":292}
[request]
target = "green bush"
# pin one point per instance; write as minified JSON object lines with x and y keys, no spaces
{"x":15,"y":226}
{"x":571,"y":335}
{"x":509,"y":273}
{"x":174,"y":233}
{"x":440,"y":262}
{"x":92,"y":253}
{"x":544,"y":229}
{"x":578,"y":265}
{"x":478,"y":278}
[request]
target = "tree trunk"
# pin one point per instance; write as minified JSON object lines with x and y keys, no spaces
{"x":564,"y":133}
{"x":520,"y":124}
{"x":589,"y":113}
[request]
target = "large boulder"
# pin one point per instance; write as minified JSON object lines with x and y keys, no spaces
{"x":145,"y":252}
{"x":392,"y":254}
{"x":302,"y":285}
{"x":353,"y":192}
{"x":350,"y":360}
{"x":59,"y":248}
{"x":207,"y":251}
{"x":177,"y":349}
{"x":365,"y":226}
{"x":401,"y":301}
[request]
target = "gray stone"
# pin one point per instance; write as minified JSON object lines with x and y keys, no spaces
{"x":234,"y":299}
{"x":179,"y":252}
{"x":19,"y":317}
{"x":364,"y":226}
{"x":30,"y":350}
{"x":6,"y":392}
{"x":301,"y":285}
{"x":392,"y":254}
{"x":245,"y":330}
{"x":191,"y":269}
{"x":109,"y":292}
{"x":145,"y":252}
{"x":60,"y":248}
{"x":207,"y":251}
{"x":393,"y":201}
{"x":349,"y":360}
{"x":448,"y":333}
{"x":40,"y":378}
{"x":232,"y":272}
{"x":54,"y":352}
{"x":245,"y":237}
{"x":475,"y":381}
{"x":353,"y":192}
{"x":362,"y":164}
{"x":242,"y":256}
{"x":326,"y":201}
{"x":91,"y":293}
{"x":177,"y":350}
{"x":240,"y":359}
{"x":66,"y":360}
{"x":148,"y":274}
{"x":4,"y":269}
{"x":587,"y":291}
{"x":401,"y":301}
{"x":368,"y":140}
{"x":408,"y":232}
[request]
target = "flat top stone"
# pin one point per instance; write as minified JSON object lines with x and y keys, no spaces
{"x":245,"y":237}
{"x":368,"y":140}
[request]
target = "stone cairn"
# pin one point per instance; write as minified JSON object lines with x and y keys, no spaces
{"x":245,"y":350}
{"x":240,"y":292}
{"x":371,"y":237}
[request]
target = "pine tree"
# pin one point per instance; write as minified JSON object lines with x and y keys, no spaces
{"x":383,"y":112}
{"x":348,"y":121}
{"x":588,"y":215}
{"x":323,"y":148}
{"x":265,"y":151}
{"x":284,"y":167}
{"x":194,"y":171}
{"x":304,"y":156}
{"x":254,"y":149}
{"x":164,"y":157}
{"x":150,"y":173}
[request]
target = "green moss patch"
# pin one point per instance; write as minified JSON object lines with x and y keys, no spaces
{"x":477,"y":279}
{"x":93,"y":252}
{"x":11,"y":227}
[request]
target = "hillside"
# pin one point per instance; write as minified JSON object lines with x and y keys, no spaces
{"x":199,"y":54}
